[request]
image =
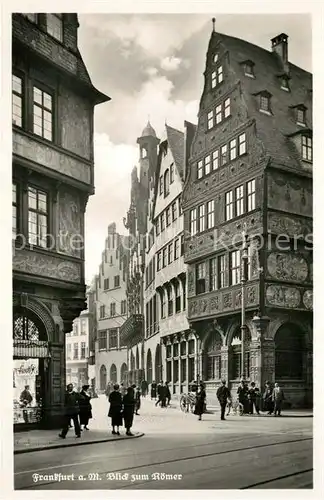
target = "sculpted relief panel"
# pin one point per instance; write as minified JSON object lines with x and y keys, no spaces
{"x":222,"y":301}
{"x":283,"y":296}
{"x":289,"y":194}
{"x":50,"y":158}
{"x":70,"y":215}
{"x":287,"y":267}
{"x":289,"y":225}
{"x":46,"y":265}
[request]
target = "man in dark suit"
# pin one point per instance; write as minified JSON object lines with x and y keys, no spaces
{"x":159,"y":391}
{"x":223,"y":394}
{"x":71,"y":407}
{"x":254,"y":398}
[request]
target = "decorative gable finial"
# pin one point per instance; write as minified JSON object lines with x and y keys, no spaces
{"x":213,"y":21}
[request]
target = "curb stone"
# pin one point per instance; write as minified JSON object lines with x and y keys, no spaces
{"x":77,"y":443}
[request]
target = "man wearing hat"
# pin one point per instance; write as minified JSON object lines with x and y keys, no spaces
{"x":223,"y":394}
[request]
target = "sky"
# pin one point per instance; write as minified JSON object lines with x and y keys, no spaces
{"x":151,"y":66}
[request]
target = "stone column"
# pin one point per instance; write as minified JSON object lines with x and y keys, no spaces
{"x":224,"y":363}
{"x":262,"y":352}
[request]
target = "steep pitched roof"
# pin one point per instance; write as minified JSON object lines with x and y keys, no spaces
{"x":175,"y":140}
{"x":268,"y":68}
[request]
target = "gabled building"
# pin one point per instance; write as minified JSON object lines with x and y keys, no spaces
{"x":111,"y":311}
{"x":170,"y":346}
{"x":77,"y":352}
{"x":132,"y":332}
{"x":53,"y":102}
{"x":248,"y":197}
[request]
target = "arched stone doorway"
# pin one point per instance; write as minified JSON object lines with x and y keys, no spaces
{"x":31,"y":372}
{"x":158,"y":364}
{"x":235,"y":355}
{"x":149,"y":368}
{"x":103,"y":378}
{"x":123,"y":373}
{"x":113,"y":374}
{"x":212,"y":357}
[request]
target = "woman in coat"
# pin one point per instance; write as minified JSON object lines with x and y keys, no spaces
{"x":115,"y":409}
{"x":153,"y":390}
{"x":200,"y":401}
{"x":128,"y":410}
{"x":85,"y":407}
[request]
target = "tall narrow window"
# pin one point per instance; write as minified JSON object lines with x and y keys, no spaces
{"x":176,"y":248}
{"x":239,"y":200}
{"x":200,"y":169}
{"x":307,"y":148}
{"x":177,"y":297}
{"x":113,"y":309}
{"x":157,"y":227}
{"x":215,"y":159}
{"x":174,"y":211}
{"x":123,"y":307}
{"x":171,"y":173}
{"x":301,"y":116}
{"x":158,"y":262}
{"x":102,"y":340}
{"x":235,"y":261}
{"x":17,"y":101}
{"x":83,"y":350}
{"x":207,"y":165}
{"x":218,"y":114}
{"x":162,"y":299}
{"x":164,"y":257}
{"x":161,"y":184}
{"x":182,"y":245}
{"x":168,"y":216}
{"x":200,"y":278}
{"x":113,"y":338}
{"x":233,"y":149}
{"x":55,"y":26}
{"x":162,"y":222}
{"x":75,"y":350}
{"x":42,"y":114}
{"x":14,"y":211}
{"x":166,"y":183}
{"x":285,"y":84}
{"x":224,"y":154}
{"x":210,"y":214}
{"x":251,"y":195}
{"x":210,"y":120}
{"x":220,"y":74}
{"x":242,"y":144}
{"x":265,"y":103}
{"x":229,"y":212}
{"x":201,"y":217}
{"x":213,"y":274}
{"x":193,"y":221}
{"x":248,"y":70}
{"x":227,"y":107}
{"x":37,"y":217}
{"x":170,"y":253}
{"x":213,"y":79}
{"x":116,"y":281}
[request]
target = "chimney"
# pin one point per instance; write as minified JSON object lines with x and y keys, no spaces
{"x":279,"y":44}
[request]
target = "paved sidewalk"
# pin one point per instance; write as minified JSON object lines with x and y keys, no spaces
{"x":37,"y":440}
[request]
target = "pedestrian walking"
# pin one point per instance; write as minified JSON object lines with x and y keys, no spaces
{"x":168,"y":394}
{"x":115,"y":409}
{"x":158,"y":390}
{"x":25,"y":400}
{"x":153,"y":390}
{"x":268,"y":404}
{"x":200,"y":401}
{"x":137,"y":400}
{"x":223,"y":395}
{"x":254,"y":398}
{"x":128,"y":410}
{"x":71,"y":412}
{"x":278,"y":398}
{"x":85,"y":407}
{"x":144,"y":388}
{"x":243,"y":396}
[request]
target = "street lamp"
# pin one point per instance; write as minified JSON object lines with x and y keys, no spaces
{"x":244,"y":262}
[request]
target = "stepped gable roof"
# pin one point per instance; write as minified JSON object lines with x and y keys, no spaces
{"x":268,"y":69}
{"x":175,"y":140}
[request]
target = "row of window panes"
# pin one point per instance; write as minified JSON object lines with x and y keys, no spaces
{"x":170,"y":253}
{"x":165,"y":181}
{"x":103,"y":337}
{"x":54,"y":24}
{"x":168,"y":216}
{"x":150,"y":272}
{"x":237,"y":202}
{"x":166,"y":300}
{"x":42,"y":109}
{"x":236,"y":147}
{"x":76,"y":351}
{"x":183,"y":349}
{"x":123,"y":309}
{"x":221,"y":112}
{"x":202,"y":218}
{"x":218,"y":272}
{"x":217,"y":77}
{"x":106,"y":281}
{"x":37,"y":215}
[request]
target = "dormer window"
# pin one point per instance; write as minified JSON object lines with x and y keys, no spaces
{"x":217,"y":77}
{"x":248,"y":68}
{"x":301,"y":116}
{"x":264,"y":102}
{"x":55,"y":26}
{"x":215,"y":58}
{"x":285,"y":84}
